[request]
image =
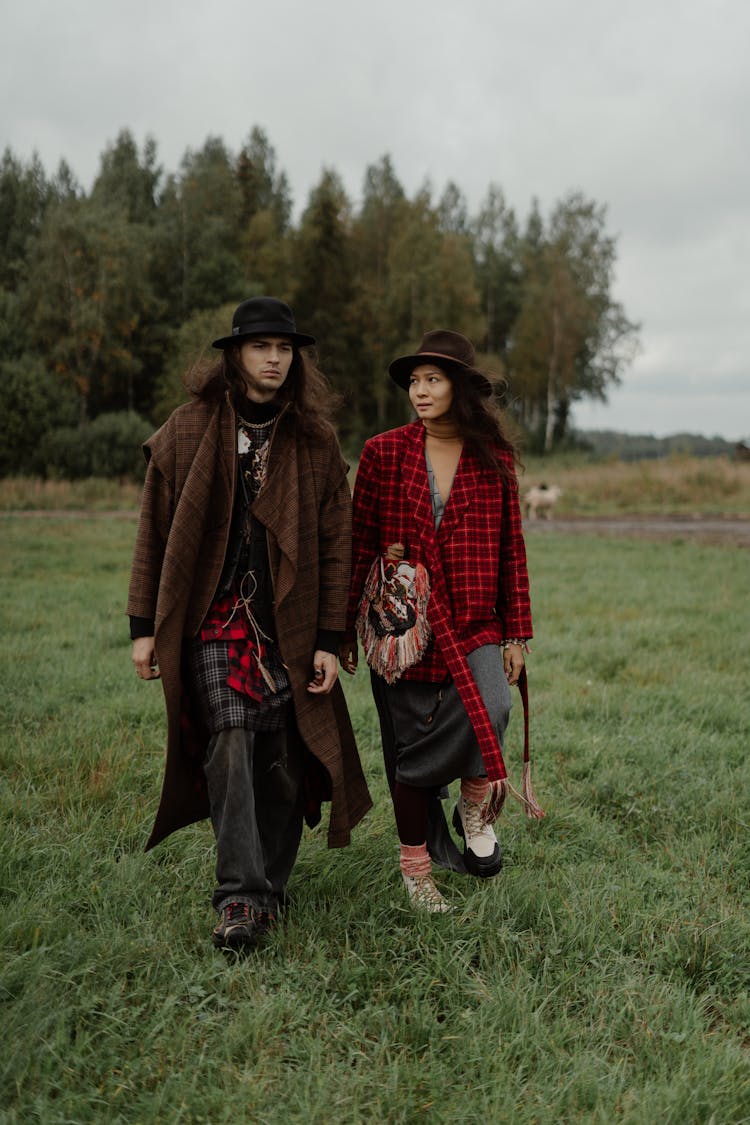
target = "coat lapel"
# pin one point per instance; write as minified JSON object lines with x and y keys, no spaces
{"x":210,"y":478}
{"x":417,"y":486}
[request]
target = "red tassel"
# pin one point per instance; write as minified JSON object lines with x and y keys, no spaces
{"x":501,"y":789}
{"x":495,"y":801}
{"x":533,"y":809}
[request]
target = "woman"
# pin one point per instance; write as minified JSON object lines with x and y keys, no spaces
{"x":444,"y":487}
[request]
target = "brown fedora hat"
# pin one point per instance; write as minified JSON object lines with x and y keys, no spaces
{"x":449,"y":350}
{"x":263,"y":316}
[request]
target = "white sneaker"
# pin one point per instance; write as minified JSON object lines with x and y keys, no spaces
{"x":482,"y":854}
{"x":424,"y":895}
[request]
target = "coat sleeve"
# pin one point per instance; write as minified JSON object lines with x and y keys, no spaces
{"x":334,"y":545}
{"x":513,"y":604}
{"x":157,"y":506}
{"x":365,"y":528}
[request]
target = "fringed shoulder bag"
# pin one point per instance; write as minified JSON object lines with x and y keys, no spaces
{"x":392,"y":614}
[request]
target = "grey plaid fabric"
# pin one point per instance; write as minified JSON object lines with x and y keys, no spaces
{"x":220,"y":705}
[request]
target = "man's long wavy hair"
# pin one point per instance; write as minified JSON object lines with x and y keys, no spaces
{"x":482,"y":422}
{"x":311,"y":400}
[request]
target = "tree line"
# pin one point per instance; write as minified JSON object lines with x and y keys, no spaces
{"x":106,"y":297}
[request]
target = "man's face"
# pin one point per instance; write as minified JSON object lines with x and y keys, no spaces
{"x":265,"y":361}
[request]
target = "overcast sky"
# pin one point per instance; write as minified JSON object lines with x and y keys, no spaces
{"x":641,"y":104}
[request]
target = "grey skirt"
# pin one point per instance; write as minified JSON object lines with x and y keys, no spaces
{"x":428,"y":739}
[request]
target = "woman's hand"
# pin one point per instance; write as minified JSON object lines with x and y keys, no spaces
{"x":144,"y":658}
{"x":325,"y":673}
{"x":513,"y":662}
{"x":348,"y":656}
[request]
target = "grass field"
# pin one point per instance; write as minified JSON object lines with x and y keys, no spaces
{"x":669,"y":486}
{"x":604,"y":976}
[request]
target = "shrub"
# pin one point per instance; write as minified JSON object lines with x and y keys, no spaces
{"x":33,"y":404}
{"x":64,"y":454}
{"x":116,"y":441}
{"x":110,"y":446}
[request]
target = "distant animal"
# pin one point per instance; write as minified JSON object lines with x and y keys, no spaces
{"x":540,"y":500}
{"x":742,"y":451}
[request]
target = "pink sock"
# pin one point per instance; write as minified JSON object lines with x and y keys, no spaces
{"x":475,"y":789}
{"x":415,"y":860}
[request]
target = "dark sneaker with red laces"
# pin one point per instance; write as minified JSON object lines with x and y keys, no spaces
{"x":235,"y":928}
{"x":242,"y":925}
{"x":265,"y":921}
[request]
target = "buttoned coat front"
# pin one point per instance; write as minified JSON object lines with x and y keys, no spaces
{"x":181,"y":543}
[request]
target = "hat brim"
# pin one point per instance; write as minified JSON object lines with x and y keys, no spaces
{"x":400,"y":370}
{"x":299,"y":339}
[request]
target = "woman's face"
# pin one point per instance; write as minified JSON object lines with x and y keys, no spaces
{"x":430,"y":391}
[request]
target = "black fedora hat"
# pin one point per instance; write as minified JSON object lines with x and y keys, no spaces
{"x":263,"y":316}
{"x":449,"y":350}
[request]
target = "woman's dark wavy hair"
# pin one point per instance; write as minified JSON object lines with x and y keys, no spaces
{"x":311,"y":400}
{"x":482,"y":422}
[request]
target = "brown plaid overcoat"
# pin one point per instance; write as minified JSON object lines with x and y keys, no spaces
{"x":180,"y":546}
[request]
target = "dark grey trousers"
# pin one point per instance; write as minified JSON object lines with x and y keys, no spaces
{"x":256,"y":796}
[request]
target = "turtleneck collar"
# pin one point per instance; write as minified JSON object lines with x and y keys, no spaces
{"x":441,"y":429}
{"x":256,"y":412}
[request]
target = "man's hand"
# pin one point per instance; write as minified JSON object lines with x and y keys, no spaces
{"x":348,"y":656}
{"x":144,"y":658}
{"x":325,"y":673}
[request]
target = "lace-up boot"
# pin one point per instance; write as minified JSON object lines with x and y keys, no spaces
{"x":424,"y":895}
{"x":482,"y":854}
{"x":416,"y":869}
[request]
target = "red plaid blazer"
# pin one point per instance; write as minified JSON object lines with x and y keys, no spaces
{"x":476,"y":559}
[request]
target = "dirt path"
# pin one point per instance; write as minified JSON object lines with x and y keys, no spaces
{"x":725,"y":530}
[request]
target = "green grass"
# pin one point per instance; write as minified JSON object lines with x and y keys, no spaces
{"x":603,"y":976}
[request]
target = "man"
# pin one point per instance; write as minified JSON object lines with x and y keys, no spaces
{"x":237,"y":602}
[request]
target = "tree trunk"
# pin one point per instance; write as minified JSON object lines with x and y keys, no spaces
{"x":549,"y":428}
